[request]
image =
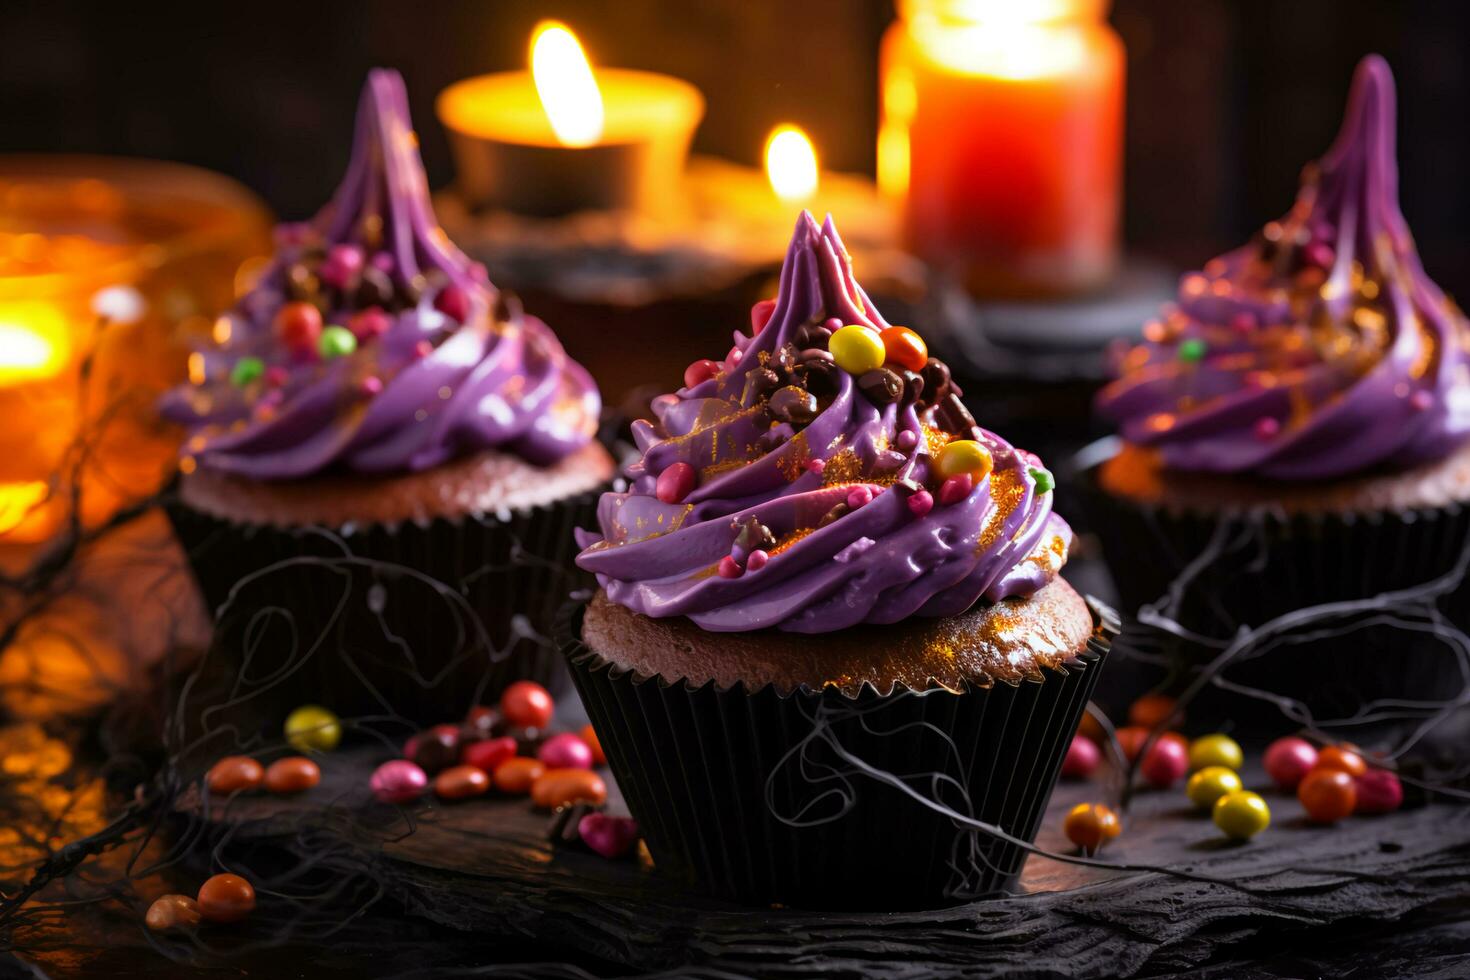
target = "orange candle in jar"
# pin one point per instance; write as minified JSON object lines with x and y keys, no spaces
{"x":1001,"y":135}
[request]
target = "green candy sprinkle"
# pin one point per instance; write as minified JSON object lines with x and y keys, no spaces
{"x":1192,"y":350}
{"x":1043,"y":478}
{"x":337,"y":341}
{"x":246,"y":370}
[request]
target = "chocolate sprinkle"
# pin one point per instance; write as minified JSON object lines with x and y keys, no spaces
{"x":882,"y":386}
{"x":753,"y":534}
{"x":936,"y":381}
{"x":758,"y":384}
{"x":813,"y":335}
{"x":792,"y":404}
{"x":833,"y":515}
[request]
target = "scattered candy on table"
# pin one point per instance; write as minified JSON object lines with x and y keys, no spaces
{"x":518,"y":775}
{"x":558,"y":787}
{"x":293,"y":774}
{"x":398,"y":781}
{"x":1166,"y":762}
{"x":1091,"y":825}
{"x":612,"y":837}
{"x":234,"y":774}
{"x":1132,"y":737}
{"x":1151,"y":710}
{"x":1241,"y":814}
{"x":590,"y":737}
{"x":1341,"y":759}
{"x":1210,"y":784}
{"x":565,"y":751}
{"x":489,"y":753}
{"x":433,"y":749}
{"x":1328,"y":795}
{"x":461,"y":783}
{"x":312,"y":728}
{"x":1288,"y":760}
{"x":1082,"y":758}
{"x":170,"y":912}
{"x":226,"y":898}
{"x":527,"y":704}
{"x":1215,"y":750}
{"x":1379,"y":791}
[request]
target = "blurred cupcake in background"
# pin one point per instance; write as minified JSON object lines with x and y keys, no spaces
{"x":1310,"y":389}
{"x":385,"y":454}
{"x":830,"y":617}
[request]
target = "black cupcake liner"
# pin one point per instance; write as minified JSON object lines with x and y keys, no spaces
{"x":738,"y":794}
{"x":1264,"y":563}
{"x":421,"y":620}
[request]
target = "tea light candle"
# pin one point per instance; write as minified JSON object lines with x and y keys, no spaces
{"x":1001,"y":134}
{"x":561,"y":138}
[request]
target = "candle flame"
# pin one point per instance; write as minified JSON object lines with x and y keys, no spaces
{"x":33,"y":341}
{"x":791,"y":164}
{"x":565,"y":84}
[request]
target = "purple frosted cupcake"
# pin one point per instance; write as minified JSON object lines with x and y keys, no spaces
{"x":1300,"y":417}
{"x":829,"y":596}
{"x":385,"y":455}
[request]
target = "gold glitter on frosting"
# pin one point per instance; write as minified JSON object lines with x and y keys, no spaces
{"x":1007,"y":490}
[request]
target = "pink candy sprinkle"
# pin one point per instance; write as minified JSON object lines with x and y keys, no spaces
{"x":700,"y":372}
{"x":907,"y":440}
{"x":1243,"y":322}
{"x":921,"y":503}
{"x":859,"y":497}
{"x":565,"y":751}
{"x":1319,"y":254}
{"x":760,"y":314}
{"x":733,"y":358}
{"x":371,"y":385}
{"x":757,"y":560}
{"x":398,"y":781}
{"x":730,"y":568}
{"x":423,"y":349}
{"x":383,"y":261}
{"x":276,"y":376}
{"x":816,"y":466}
{"x":342,"y":265}
{"x":453,"y":302}
{"x":369,"y":323}
{"x":1267,"y":427}
{"x":675,"y":483}
{"x":1421,"y":400}
{"x":955,"y":489}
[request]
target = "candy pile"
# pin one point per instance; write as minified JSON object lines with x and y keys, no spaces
{"x":1331,"y":783}
{"x":223,"y":898}
{"x":508,"y":748}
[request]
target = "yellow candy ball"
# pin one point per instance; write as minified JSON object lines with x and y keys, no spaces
{"x":857,"y":349}
{"x":1242,"y":814}
{"x":1215,"y":750}
{"x":1209,"y":784}
{"x":312,"y":728}
{"x":963,"y":456}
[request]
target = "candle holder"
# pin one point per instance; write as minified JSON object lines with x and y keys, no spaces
{"x":510,"y":158}
{"x":1001,"y":134}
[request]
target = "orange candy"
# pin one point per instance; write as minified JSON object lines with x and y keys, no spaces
{"x":172,"y":912}
{"x":590,"y":737}
{"x":461,"y":783}
{"x":905,"y":348}
{"x":1090,"y":825}
{"x":1150,"y":710}
{"x":518,"y":774}
{"x":226,"y":898}
{"x":1132,"y":737}
{"x":293,"y":774}
{"x":1327,"y":795}
{"x":1341,"y":759}
{"x":561,"y":787}
{"x":233,"y":774}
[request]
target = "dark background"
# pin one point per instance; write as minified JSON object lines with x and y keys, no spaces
{"x":1226,"y":99}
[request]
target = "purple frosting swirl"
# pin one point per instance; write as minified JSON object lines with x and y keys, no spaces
{"x":1320,"y":349}
{"x":421,"y":359}
{"x":831,"y":494}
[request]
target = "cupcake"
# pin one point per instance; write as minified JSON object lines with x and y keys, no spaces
{"x":1293,"y":432}
{"x":831,"y":661}
{"x":385,"y":456}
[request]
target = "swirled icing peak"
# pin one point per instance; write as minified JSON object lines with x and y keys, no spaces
{"x":823,"y":474}
{"x":1318,"y":350}
{"x":371,"y":343}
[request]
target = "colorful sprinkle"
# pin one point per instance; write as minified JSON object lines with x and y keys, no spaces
{"x":336,"y":342}
{"x":1043,"y":478}
{"x":454,"y":303}
{"x":246,"y":370}
{"x":1421,"y":400}
{"x":905,"y":348}
{"x":760,"y":314}
{"x":1192,"y":350}
{"x":423,"y":349}
{"x":964,"y":456}
{"x":1243,"y":323}
{"x":733,"y":358}
{"x":857,"y":349}
{"x":955,"y":489}
{"x":1319,"y":254}
{"x":907,"y":440}
{"x":1241,"y":814}
{"x":730,"y":568}
{"x":816,"y":466}
{"x":859,"y":497}
{"x":921,"y":503}
{"x":371,"y":385}
{"x":675,"y":483}
{"x":276,"y":376}
{"x":369,"y":323}
{"x":1267,"y":428}
{"x":342,"y":266}
{"x":298,"y":326}
{"x":757,"y":560}
{"x":700,"y":372}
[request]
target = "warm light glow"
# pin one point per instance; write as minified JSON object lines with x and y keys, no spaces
{"x":33,"y":341}
{"x":1006,"y":39}
{"x":565,"y":84}
{"x":20,"y":504}
{"x":791,"y":164}
{"x":900,"y":103}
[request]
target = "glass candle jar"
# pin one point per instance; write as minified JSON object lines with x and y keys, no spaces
{"x":1001,"y":137}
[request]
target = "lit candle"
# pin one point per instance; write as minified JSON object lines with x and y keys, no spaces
{"x":1001,"y":134}
{"x":562,"y":138}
